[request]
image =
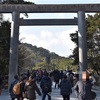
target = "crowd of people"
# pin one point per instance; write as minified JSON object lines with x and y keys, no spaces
{"x":41,"y":82}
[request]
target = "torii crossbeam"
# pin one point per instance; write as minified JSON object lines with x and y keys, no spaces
{"x":54,"y":8}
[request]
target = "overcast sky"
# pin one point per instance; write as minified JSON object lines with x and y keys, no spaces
{"x":63,"y":1}
{"x":54,"y":38}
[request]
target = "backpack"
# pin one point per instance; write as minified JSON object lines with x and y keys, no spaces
{"x":16,"y":89}
{"x":86,"y":89}
{"x":47,"y":86}
{"x":65,"y":87}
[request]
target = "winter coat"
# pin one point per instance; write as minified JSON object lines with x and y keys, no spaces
{"x":45,"y":80}
{"x":88,"y":93}
{"x":22,"y":89}
{"x":65,"y":87}
{"x":11,"y":88}
{"x":30,"y":90}
{"x":56,"y":76}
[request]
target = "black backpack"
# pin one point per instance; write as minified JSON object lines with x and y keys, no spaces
{"x":47,"y":86}
{"x":86,"y":87}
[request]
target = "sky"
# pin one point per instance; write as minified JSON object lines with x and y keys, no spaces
{"x":54,"y":38}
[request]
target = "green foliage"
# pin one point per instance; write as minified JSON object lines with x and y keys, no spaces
{"x":93,"y":31}
{"x":4,"y":46}
{"x":93,"y":43}
{"x":38,"y":60}
{"x":75,"y":55}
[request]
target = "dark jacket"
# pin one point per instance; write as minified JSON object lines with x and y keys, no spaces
{"x":11,"y":88}
{"x":45,"y":80}
{"x":56,"y":76}
{"x":30,"y":89}
{"x":22,"y":89}
{"x":65,"y":87}
{"x":88,"y":93}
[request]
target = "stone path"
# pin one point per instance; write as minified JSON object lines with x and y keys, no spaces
{"x":55,"y":95}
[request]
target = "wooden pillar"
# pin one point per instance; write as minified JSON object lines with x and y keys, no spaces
{"x":82,"y":43}
{"x":13,"y":60}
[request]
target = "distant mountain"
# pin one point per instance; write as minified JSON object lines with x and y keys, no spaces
{"x":31,"y":57}
{"x":41,"y":51}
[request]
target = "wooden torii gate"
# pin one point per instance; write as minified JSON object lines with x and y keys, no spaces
{"x":16,"y":9}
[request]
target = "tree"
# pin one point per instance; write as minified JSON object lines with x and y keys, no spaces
{"x":93,"y":26}
{"x":93,"y":42}
{"x":4,"y":46}
{"x":5,"y":37}
{"x":74,"y":38}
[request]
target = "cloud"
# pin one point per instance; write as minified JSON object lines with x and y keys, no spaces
{"x":29,"y":38}
{"x":64,"y":1}
{"x":46,"y":34}
{"x":58,"y":42}
{"x":65,"y":38}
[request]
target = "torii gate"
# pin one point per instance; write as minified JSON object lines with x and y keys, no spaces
{"x":16,"y":9}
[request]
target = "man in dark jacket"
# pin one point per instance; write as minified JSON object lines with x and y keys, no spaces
{"x":65,"y":88}
{"x":23,"y":80}
{"x":13,"y":96}
{"x":87,"y":87}
{"x":46,"y":86}
{"x":56,"y":77}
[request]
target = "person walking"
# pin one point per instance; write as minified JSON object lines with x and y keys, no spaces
{"x":56,"y":78}
{"x":78,"y":88}
{"x":92,"y":79}
{"x":46,"y":86}
{"x":83,"y":88}
{"x":30,"y":88}
{"x":22,"y":87}
{"x":65,"y":88}
{"x":87,"y":90}
{"x":12,"y":95}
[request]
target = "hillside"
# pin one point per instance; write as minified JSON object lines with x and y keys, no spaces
{"x":33,"y":57}
{"x":40,"y":51}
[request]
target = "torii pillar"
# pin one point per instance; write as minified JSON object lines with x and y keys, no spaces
{"x":13,"y":60}
{"x":82,"y":43}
